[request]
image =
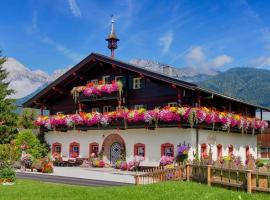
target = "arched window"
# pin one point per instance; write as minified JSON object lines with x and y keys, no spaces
{"x":74,"y":150}
{"x":204,"y":150}
{"x":139,"y":149}
{"x":56,"y":148}
{"x":93,"y":148}
{"x":167,"y":149}
{"x":247,"y":152}
{"x":230,"y":150}
{"x":219,"y":151}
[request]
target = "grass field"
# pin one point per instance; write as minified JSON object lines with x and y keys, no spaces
{"x":33,"y":190}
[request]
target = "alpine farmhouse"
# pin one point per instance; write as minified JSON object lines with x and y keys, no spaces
{"x":104,"y":105}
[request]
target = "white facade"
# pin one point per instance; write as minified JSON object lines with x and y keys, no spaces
{"x":153,"y":139}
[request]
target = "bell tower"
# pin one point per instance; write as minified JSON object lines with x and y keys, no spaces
{"x":112,"y":39}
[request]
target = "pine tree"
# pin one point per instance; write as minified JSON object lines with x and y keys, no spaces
{"x":8,"y":117}
{"x":27,"y":118}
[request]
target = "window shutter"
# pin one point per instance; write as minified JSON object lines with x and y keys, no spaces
{"x":130,"y":82}
{"x":142,"y":82}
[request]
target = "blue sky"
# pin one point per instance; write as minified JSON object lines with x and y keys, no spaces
{"x":53,"y":34}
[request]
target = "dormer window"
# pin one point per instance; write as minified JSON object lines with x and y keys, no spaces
{"x":137,"y":83}
{"x":106,"y":79}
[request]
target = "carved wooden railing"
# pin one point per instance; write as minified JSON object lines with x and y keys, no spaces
{"x":160,"y":174}
{"x":239,"y":178}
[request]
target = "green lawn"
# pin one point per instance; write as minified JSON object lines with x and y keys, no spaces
{"x":33,"y":190}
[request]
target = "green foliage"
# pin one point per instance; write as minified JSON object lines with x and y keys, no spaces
{"x":35,"y":148}
{"x":36,"y":190}
{"x":7,"y":155}
{"x":8,"y":117}
{"x":249,"y":84}
{"x":7,"y":173}
{"x":27,"y":118}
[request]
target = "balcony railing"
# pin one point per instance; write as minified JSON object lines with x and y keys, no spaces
{"x":184,"y":117}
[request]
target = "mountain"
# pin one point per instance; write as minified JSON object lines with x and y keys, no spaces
{"x":188,"y":74}
{"x":249,"y":84}
{"x":27,"y":82}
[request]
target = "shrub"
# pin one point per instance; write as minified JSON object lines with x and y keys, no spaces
{"x":259,"y":163}
{"x":7,"y":173}
{"x":35,"y":148}
{"x":7,"y":155}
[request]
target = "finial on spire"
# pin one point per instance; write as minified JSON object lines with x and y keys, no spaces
{"x":112,"y":38}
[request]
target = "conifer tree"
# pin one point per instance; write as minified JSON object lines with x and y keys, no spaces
{"x":8,"y":117}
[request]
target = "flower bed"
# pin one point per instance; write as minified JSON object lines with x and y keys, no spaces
{"x":92,"y":89}
{"x":191,"y":115}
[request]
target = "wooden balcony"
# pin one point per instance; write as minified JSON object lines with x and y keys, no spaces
{"x":112,"y":96}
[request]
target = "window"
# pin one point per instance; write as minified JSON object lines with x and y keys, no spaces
{"x":137,"y":83}
{"x":204,"y":151}
{"x":56,"y":148}
{"x":137,"y":107}
{"x":219,"y":151}
{"x":93,"y":148}
{"x":139,"y":149}
{"x":95,"y":109}
{"x":74,"y":149}
{"x":95,"y":81}
{"x":230,"y":150}
{"x":107,"y":109}
{"x":172,"y":104}
{"x":106,"y":79}
{"x":167,"y":149}
{"x":119,"y":78}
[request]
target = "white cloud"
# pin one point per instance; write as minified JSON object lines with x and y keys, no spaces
{"x":75,"y":57}
{"x":222,"y":60}
{"x":262,"y":61}
{"x":196,"y":59}
{"x":74,"y":8}
{"x":194,"y":56}
{"x":166,"y":41}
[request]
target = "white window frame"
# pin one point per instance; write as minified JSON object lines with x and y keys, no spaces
{"x":106,"y":109}
{"x":95,"y":81}
{"x":95,"y":109}
{"x":137,"y":107}
{"x":137,"y":83}
{"x":172,"y":104}
{"x":104,"y":79}
{"x":116,"y":78}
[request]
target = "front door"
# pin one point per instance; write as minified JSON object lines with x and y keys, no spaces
{"x":115,"y":152}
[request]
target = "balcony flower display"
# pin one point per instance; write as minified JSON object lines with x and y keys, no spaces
{"x":192,"y":115}
{"x":91,"y":89}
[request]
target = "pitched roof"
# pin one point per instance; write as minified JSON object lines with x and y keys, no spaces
{"x":131,"y":67}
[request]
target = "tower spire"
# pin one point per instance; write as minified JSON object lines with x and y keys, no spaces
{"x":112,"y":38}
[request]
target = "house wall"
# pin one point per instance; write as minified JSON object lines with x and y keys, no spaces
{"x":153,"y":140}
